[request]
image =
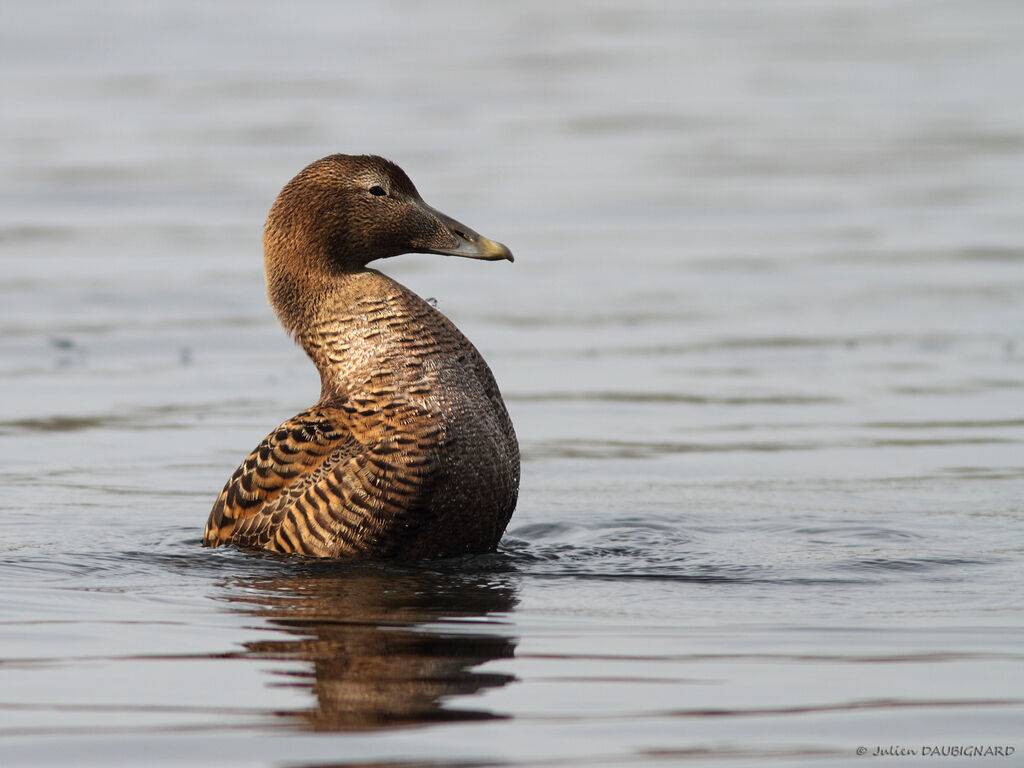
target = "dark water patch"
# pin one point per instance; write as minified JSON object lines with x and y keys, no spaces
{"x":81,"y":423}
{"x":539,"y":531}
{"x":760,"y":756}
{"x":620,"y":319}
{"x":875,"y":704}
{"x":132,"y":418}
{"x":769,"y":426}
{"x":923,"y":657}
{"x":968,"y":387}
{"x":952,"y":565}
{"x":197,"y":709}
{"x":997,"y":384}
{"x":719,"y":371}
{"x":59,"y":330}
{"x":65,"y":333}
{"x":670,"y":398}
{"x":150,"y":729}
{"x":931,"y":342}
{"x":867,"y":533}
{"x":710,"y":576}
{"x":443,"y":763}
{"x":19,"y":234}
{"x":991,"y":254}
{"x":63,"y":343}
{"x":106,"y":568}
{"x":620,"y":449}
{"x":908,"y":443}
{"x":932,"y":389}
{"x":57,"y":423}
{"x":946,"y":424}
{"x":943,"y":141}
{"x":985,"y":473}
{"x":624,"y":449}
{"x":739,"y":344}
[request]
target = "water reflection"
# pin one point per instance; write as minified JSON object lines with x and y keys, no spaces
{"x":387,"y":645}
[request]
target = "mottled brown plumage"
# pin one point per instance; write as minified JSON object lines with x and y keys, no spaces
{"x":410,"y":451}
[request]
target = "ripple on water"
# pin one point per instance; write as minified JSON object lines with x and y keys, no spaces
{"x":934,"y":568}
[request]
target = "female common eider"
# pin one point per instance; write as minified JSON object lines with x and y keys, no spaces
{"x":410,"y":451}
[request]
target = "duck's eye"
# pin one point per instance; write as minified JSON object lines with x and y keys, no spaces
{"x":378,"y":191}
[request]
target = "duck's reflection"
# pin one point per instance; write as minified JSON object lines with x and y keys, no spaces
{"x":387,"y":645}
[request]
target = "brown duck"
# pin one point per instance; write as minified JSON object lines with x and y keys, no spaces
{"x":410,"y":451}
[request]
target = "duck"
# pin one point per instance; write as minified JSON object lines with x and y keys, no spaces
{"x":410,"y":451}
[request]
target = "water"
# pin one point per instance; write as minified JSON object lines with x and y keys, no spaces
{"x":762,"y":344}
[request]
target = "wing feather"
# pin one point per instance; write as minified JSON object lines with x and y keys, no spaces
{"x":332,"y":482}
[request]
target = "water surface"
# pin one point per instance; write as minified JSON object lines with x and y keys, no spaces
{"x":762,"y":344}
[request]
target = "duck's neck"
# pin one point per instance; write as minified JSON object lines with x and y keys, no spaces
{"x":341,"y":322}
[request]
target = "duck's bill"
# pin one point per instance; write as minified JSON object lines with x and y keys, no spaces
{"x":464,"y":241}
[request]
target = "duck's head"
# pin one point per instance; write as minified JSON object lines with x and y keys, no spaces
{"x":344,"y":211}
